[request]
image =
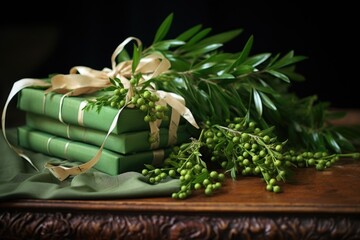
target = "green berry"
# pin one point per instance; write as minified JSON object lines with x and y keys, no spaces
{"x":146,"y":94}
{"x":147,"y":118}
{"x":214,"y":174}
{"x":276,"y":189}
{"x":208,"y":191}
{"x":145,"y":172}
{"x":206,"y":182}
{"x":172,"y":173}
{"x":144,"y":108}
{"x":221,"y":176}
{"x":277,"y":163}
{"x":187,"y":177}
{"x":217,"y":185}
{"x":266,"y":139}
{"x":272,"y":181}
{"x":278,"y":148}
{"x":245,"y":136}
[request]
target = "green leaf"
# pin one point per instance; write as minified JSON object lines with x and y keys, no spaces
{"x":149,"y":166}
{"x":264,"y":87}
{"x":291,"y":74}
{"x":216,"y":39}
{"x":165,"y":45}
{"x":257,"y":59}
{"x":216,"y":96}
{"x":243,"y":69}
{"x":222,"y":37}
{"x":197,"y":38}
{"x":244,"y":53}
{"x":331,"y":141}
{"x":164,"y":28}
{"x":267,"y":131}
{"x":178,"y":64}
{"x":288,"y":59}
{"x":315,"y":142}
{"x":203,"y":66}
{"x":229,"y":149}
{"x":267,"y":101}
{"x":223,"y":76}
{"x":258,"y":102}
{"x":349,"y":132}
{"x":215,"y":59}
{"x":344,"y":142}
{"x":123,"y":56}
{"x":113,"y":82}
{"x":279,"y":75}
{"x":116,"y":82}
{"x":233,"y":172}
{"x":200,"y":177}
{"x":203,"y":50}
{"x":136,"y":58}
{"x":189,"y":33}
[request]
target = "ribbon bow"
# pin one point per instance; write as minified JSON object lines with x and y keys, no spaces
{"x":89,"y":80}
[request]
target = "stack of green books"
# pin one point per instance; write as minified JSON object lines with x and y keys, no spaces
{"x":58,"y":126}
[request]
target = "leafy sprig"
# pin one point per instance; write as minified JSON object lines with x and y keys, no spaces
{"x":239,"y":148}
{"x":219,"y":86}
{"x":252,"y":90}
{"x":117,"y":96}
{"x":272,"y":131}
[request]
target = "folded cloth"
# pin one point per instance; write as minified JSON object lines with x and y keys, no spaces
{"x":19,"y":180}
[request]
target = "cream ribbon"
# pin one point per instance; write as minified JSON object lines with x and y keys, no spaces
{"x":17,"y":87}
{"x":89,"y":80}
{"x":62,"y":172}
{"x":84,"y":80}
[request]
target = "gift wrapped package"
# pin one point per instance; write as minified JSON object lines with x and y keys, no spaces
{"x":110,"y":162}
{"x":70,"y":110}
{"x":123,"y":143}
{"x":115,"y":120}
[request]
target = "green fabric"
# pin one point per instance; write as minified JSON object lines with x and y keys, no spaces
{"x":19,"y":180}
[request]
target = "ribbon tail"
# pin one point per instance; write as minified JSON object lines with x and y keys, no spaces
{"x":17,"y":87}
{"x":178,"y":103}
{"x":61,"y":172}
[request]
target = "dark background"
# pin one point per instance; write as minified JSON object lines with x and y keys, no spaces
{"x":40,"y":39}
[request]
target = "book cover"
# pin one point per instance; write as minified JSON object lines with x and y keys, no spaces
{"x":110,"y":162}
{"x":123,"y":143}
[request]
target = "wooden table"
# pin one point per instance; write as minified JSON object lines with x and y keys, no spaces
{"x":315,"y":205}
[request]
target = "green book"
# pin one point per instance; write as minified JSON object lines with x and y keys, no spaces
{"x":123,"y":143}
{"x":35,"y":100}
{"x":110,"y":162}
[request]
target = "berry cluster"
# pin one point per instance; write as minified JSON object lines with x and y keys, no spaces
{"x":186,"y":164}
{"x":146,"y":102}
{"x":243,"y":148}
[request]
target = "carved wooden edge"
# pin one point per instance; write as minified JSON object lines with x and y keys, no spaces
{"x":100,"y":225}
